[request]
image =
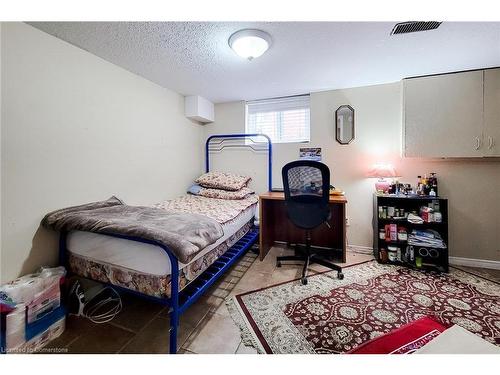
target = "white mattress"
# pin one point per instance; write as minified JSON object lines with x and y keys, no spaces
{"x":140,"y":256}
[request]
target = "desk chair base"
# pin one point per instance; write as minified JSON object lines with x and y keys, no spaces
{"x":309,"y":258}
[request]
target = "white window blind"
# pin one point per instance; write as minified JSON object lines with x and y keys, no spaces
{"x":282,"y":119}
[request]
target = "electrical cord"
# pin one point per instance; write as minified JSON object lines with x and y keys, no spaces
{"x":99,"y":305}
{"x":97,"y":312}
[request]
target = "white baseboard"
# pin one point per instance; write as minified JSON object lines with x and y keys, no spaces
{"x":360,"y":249}
{"x":471,"y":262}
{"x":458,"y":261}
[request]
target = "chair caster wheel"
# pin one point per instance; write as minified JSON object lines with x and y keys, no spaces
{"x":278,"y":264}
{"x":303,"y":280}
{"x":340,"y":276}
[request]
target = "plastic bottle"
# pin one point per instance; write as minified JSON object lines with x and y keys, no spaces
{"x":425,"y":185}
{"x":434,"y":182}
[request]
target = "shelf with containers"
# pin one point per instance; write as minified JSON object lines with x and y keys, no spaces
{"x":392,"y":240}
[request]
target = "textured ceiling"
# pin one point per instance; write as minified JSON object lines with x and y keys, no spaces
{"x":194,"y":57}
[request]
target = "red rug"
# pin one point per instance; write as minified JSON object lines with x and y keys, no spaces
{"x":336,"y":316}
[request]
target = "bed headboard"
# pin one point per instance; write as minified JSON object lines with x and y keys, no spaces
{"x":259,"y":143}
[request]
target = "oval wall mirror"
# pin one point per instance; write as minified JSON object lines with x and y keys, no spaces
{"x":344,"y":124}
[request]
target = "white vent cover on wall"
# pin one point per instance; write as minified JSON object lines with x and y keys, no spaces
{"x":199,"y":109}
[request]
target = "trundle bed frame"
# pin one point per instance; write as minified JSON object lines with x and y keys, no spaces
{"x":179,"y":301}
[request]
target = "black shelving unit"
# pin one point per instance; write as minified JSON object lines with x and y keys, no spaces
{"x":411,"y":203}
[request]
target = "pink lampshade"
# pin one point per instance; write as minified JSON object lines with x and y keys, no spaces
{"x":382,"y":170}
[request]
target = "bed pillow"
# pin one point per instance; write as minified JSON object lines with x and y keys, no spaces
{"x":194,"y":189}
{"x":225,"y":194}
{"x":222,"y":180}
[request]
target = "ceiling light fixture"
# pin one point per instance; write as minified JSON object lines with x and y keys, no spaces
{"x":250,"y":43}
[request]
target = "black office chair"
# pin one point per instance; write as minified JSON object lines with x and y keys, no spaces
{"x":307,"y":190}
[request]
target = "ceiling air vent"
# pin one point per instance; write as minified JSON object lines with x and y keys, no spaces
{"x":414,"y":26}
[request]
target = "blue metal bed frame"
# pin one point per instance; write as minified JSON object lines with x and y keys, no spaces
{"x":256,"y":146}
{"x":179,"y":301}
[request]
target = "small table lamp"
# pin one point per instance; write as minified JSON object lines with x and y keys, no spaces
{"x":381,"y":171}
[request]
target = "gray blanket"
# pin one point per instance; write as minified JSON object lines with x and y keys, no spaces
{"x":185,"y":234}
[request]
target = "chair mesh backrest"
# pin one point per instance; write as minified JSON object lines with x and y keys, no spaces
{"x":305,"y":180}
{"x":307,"y":187}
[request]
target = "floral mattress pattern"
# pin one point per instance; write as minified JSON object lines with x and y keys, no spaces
{"x":221,"y":210}
{"x":153,"y":285}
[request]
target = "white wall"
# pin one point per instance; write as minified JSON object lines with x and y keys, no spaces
{"x":472,"y":186}
{"x":75,"y":129}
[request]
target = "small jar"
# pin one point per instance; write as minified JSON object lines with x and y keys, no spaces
{"x":392,"y":253}
{"x":402,"y":234}
{"x":380,"y":212}
{"x":436,"y":205}
{"x":384,"y":212}
{"x":390,"y":211}
{"x":381,"y":233}
{"x":438,"y":217}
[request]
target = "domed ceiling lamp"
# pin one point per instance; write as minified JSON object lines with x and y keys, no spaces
{"x":250,"y":43}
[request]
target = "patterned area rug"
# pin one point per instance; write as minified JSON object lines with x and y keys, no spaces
{"x":334,"y":316}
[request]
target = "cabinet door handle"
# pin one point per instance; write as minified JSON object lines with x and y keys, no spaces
{"x":478,"y":143}
{"x":490,"y":142}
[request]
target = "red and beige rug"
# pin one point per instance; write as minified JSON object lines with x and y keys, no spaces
{"x":334,"y":316}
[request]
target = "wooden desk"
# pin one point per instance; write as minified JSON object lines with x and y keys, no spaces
{"x":275,"y":225}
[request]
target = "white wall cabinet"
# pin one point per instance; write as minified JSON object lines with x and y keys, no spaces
{"x":453,"y":115}
{"x":443,"y":115}
{"x":491,"y":132}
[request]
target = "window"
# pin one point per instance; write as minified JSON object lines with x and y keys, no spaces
{"x":284,"y":120}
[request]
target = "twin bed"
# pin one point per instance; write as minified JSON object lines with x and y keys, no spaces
{"x":148,"y":267}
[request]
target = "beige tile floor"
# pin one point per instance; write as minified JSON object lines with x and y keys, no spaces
{"x":206,"y":327}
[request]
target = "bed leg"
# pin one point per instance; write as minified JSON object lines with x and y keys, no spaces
{"x":174,"y":324}
{"x":62,"y":249}
{"x":174,"y":299}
